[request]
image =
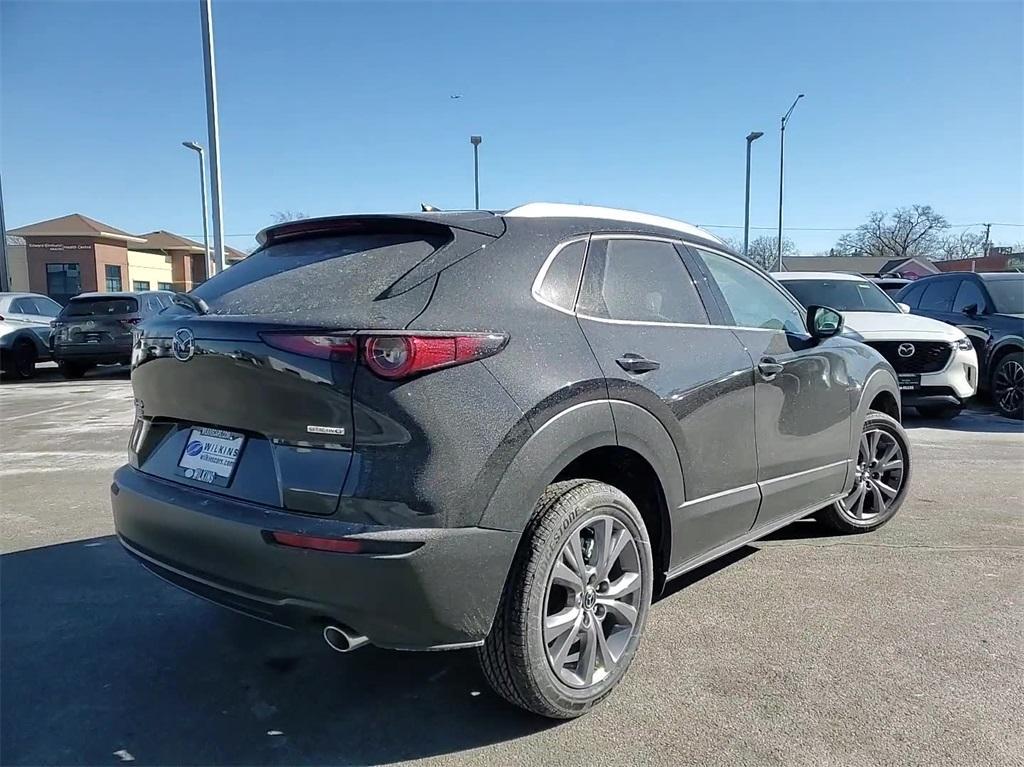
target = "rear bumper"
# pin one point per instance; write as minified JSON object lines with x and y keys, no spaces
{"x":97,"y":354}
{"x":442,"y":594}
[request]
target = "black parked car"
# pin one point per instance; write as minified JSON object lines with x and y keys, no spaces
{"x":502,"y":431}
{"x":989,"y":308}
{"x":96,"y":328}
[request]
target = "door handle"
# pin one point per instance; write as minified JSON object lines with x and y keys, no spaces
{"x":769,"y":368}
{"x":635,"y":363}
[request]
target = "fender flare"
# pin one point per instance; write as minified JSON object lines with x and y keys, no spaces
{"x":565,"y":437}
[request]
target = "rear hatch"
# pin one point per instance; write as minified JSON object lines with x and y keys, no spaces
{"x":253,"y":398}
{"x":97,"y":321}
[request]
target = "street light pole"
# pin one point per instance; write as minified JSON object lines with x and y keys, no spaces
{"x":5,"y":277}
{"x":475,"y":141}
{"x":751,"y":138}
{"x":782,"y":151}
{"x":213,"y":128}
{"x":202,"y":186}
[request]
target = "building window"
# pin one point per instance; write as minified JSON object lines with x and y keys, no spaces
{"x":139,"y":285}
{"x":63,"y":281}
{"x":113,"y":272}
{"x":165,"y":286}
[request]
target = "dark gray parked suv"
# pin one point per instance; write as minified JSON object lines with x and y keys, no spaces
{"x":493,"y":430}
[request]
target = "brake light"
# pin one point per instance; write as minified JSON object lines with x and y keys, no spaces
{"x":401,"y":356}
{"x":131,"y":322}
{"x":324,"y":347}
{"x":391,"y":355}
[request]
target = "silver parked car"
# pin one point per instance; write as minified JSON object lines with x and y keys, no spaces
{"x":25,"y":332}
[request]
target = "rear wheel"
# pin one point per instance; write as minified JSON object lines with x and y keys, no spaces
{"x":941,"y":412}
{"x":575,"y":602}
{"x":20,"y":362}
{"x":1008,"y":385}
{"x":882,"y":478}
{"x":72,"y":369}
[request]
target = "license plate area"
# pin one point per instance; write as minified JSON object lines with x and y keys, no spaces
{"x":210,"y":456}
{"x":909,"y":381}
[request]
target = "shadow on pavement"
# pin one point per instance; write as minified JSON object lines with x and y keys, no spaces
{"x":47,"y":373}
{"x":99,"y":656}
{"x":979,"y":419}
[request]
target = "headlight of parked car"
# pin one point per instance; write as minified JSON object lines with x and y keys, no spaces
{"x":963,"y":344}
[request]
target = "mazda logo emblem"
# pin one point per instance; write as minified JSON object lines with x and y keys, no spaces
{"x":906,"y":350}
{"x":183,"y":345}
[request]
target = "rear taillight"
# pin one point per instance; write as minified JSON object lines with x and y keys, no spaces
{"x":130,"y":323}
{"x":324,"y":347}
{"x":392,"y":355}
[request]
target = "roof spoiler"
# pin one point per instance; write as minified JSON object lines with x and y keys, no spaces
{"x":480,"y":222}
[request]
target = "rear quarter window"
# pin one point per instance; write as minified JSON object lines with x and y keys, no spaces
{"x":312,"y":277}
{"x":560,"y":282}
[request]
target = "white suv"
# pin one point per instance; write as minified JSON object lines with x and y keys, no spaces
{"x":935,"y":362}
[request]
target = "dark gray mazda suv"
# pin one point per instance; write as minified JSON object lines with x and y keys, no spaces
{"x":494,"y":430}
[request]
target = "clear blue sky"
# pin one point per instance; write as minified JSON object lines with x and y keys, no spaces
{"x":344,"y":107}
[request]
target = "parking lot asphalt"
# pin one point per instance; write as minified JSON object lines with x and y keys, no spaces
{"x":901,"y":646}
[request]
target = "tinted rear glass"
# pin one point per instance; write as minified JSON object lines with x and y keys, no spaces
{"x":1008,"y":294}
{"x":100,"y":307}
{"x":312,"y":277}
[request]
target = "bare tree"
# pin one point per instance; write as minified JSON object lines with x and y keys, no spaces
{"x":287,"y":215}
{"x":763,"y":250}
{"x":905,"y":233}
{"x":964,"y":245}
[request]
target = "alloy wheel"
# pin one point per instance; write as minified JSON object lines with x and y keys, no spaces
{"x":1009,"y":386}
{"x":879,"y":476}
{"x":592,"y":602}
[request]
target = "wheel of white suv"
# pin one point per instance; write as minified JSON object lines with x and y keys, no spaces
{"x":575,"y":603}
{"x":882,"y":477}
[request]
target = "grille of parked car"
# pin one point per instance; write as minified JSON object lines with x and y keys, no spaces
{"x":916,"y":356}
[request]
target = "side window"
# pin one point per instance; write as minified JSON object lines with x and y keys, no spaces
{"x":752,"y":299}
{"x":561,"y":280}
{"x":938,"y":296}
{"x":913,"y":296}
{"x":22,"y":306}
{"x":969,"y":293}
{"x":153,"y":305}
{"x":641,"y":281}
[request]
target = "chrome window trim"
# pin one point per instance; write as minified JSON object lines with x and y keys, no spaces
{"x":753,"y":485}
{"x":539,"y":279}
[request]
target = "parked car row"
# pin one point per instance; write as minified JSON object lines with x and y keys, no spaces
{"x":92,"y":329}
{"x":935,"y":362}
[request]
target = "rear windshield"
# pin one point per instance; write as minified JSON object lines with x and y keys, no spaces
{"x":312,"y":277}
{"x":100,"y":307}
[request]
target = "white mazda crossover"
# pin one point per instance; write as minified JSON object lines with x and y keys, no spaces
{"x":936,"y":363}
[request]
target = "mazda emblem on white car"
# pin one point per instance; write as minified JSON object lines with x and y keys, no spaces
{"x":906,"y":350}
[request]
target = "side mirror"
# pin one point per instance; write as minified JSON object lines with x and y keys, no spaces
{"x":905,"y":308}
{"x":970,"y":310}
{"x":823,"y":322}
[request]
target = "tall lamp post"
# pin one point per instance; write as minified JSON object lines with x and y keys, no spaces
{"x":210,"y":269}
{"x":782,"y":151}
{"x":751,"y":138}
{"x":213,"y":129}
{"x":475,"y":141}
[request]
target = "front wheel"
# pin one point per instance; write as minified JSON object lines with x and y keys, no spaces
{"x":1008,"y":386}
{"x":881,"y":481}
{"x":21,"y":362}
{"x":575,"y":603}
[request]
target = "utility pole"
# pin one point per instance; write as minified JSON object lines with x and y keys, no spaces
{"x":475,"y":141}
{"x":213,"y":128}
{"x":782,"y":152}
{"x":984,"y":249}
{"x":751,"y":138}
{"x":5,"y":277}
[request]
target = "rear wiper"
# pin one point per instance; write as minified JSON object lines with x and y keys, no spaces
{"x":198,"y":305}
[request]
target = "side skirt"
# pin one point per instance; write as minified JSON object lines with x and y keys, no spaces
{"x":747,"y":537}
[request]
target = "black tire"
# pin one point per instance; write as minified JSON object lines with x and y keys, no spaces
{"x":940,"y":412}
{"x":514,"y":658}
{"x":837,"y":517}
{"x":20,"y":362}
{"x":1008,"y":386}
{"x":72,"y":370}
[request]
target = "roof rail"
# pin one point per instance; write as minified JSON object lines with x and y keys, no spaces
{"x":566,"y":210}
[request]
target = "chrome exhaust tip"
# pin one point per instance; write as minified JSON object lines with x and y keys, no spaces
{"x":341,"y":639}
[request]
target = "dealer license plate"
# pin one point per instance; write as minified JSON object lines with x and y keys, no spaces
{"x":909,"y":381}
{"x":210,"y":456}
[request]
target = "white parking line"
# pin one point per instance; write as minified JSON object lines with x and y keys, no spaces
{"x":53,"y":409}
